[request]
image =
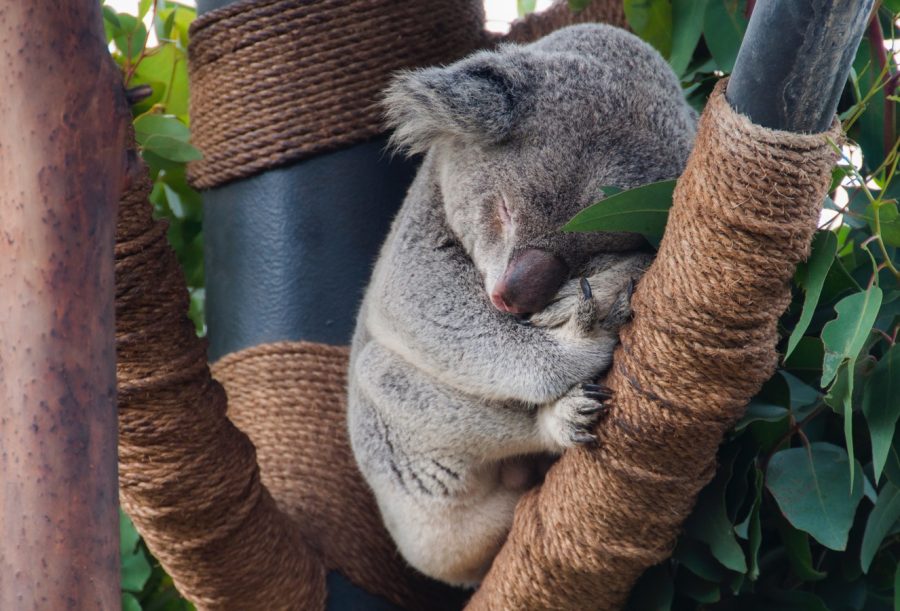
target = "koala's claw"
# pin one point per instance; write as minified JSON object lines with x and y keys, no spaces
{"x":583,"y":438}
{"x":524,"y":320}
{"x":590,"y":410}
{"x":571,"y":419}
{"x":604,"y":391}
{"x":586,"y":289}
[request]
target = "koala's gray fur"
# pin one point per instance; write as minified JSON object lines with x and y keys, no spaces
{"x":446,"y":392}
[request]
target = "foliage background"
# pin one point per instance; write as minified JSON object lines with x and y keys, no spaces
{"x":804,"y":513}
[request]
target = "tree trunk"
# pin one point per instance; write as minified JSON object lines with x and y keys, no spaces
{"x":61,"y":170}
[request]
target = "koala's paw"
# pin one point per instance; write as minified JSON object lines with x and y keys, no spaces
{"x":571,"y":419}
{"x":573,"y":307}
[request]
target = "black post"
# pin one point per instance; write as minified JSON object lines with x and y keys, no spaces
{"x":794,"y":61}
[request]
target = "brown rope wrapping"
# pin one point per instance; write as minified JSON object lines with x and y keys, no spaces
{"x":277,"y":81}
{"x":701,"y":344}
{"x":290,"y":398}
{"x":274,"y":81}
{"x":189,"y":478}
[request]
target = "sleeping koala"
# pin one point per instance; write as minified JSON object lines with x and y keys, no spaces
{"x":485,"y":328}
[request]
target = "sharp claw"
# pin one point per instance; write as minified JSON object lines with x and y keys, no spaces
{"x":586,"y":289}
{"x":524,"y":321}
{"x":593,"y":409}
{"x":630,"y":288}
{"x":597,"y":389}
{"x":597,"y":396}
{"x":583,"y":437}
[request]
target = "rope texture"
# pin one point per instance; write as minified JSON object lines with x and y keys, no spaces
{"x":274,"y":81}
{"x":190,"y":479}
{"x":277,"y":81}
{"x":701,"y":344}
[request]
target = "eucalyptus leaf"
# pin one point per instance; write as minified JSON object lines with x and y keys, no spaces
{"x":687,"y":26}
{"x":643,"y":210}
{"x":171,"y":148}
{"x":845,"y":336}
{"x":816,"y":270}
{"x":652,"y":21}
{"x":796,"y":545}
{"x":130,"y":603}
{"x":812,"y":487}
{"x":709,"y":522}
{"x":881,"y":406}
{"x":885,"y":514}
{"x":724,"y":25}
{"x":523,"y":7}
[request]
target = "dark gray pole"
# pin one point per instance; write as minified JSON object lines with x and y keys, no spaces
{"x":794,"y":61}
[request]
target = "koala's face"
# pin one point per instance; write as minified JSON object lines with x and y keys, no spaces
{"x":525,"y":137}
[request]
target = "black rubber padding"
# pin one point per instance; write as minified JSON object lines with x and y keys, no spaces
{"x":794,"y":61}
{"x":289,"y":252}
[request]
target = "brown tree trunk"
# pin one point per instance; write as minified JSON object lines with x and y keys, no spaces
{"x":62,"y":135}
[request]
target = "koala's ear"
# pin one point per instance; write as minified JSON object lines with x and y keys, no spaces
{"x":477,"y":99}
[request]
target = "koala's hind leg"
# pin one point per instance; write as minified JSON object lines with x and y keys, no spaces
{"x":438,"y":462}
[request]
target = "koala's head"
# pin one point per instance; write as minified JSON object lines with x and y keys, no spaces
{"x":524,"y":137}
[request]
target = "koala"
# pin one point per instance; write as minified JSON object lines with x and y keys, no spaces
{"x":484,"y":328}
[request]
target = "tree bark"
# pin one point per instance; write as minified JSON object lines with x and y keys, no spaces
{"x":62,"y":165}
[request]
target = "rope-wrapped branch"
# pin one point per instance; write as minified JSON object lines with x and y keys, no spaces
{"x":701,"y":344}
{"x":189,"y":478}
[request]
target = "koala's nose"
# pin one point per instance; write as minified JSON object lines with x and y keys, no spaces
{"x":530,"y":281}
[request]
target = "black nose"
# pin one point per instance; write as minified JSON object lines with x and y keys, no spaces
{"x":530,"y":281}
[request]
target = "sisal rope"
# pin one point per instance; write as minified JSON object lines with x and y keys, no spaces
{"x":701,"y":344}
{"x":190,"y":479}
{"x":274,"y":81}
{"x":277,"y":81}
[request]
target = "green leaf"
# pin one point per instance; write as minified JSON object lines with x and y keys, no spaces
{"x":687,"y":26}
{"x":755,"y":528}
{"x":709,"y":521}
{"x":816,"y":270}
{"x":643,"y":210}
{"x":144,"y":8}
{"x":167,"y":65}
{"x":135,"y":568}
{"x":892,"y":466}
{"x":131,"y":36}
{"x":688,"y":584}
{"x":845,"y":336}
{"x":146,"y":126}
{"x":796,"y":545}
{"x":883,"y":517}
{"x":723,"y":29}
{"x":128,"y":535}
{"x":889,"y":218}
{"x":130,"y":603}
{"x":525,"y":6}
{"x":577,"y":5}
{"x":881,"y":406}
{"x":652,"y":21}
{"x":758,"y":411}
{"x":696,"y":557}
{"x":171,"y":148}
{"x":813,"y":490}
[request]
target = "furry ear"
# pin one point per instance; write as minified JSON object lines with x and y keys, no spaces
{"x":476,"y":99}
